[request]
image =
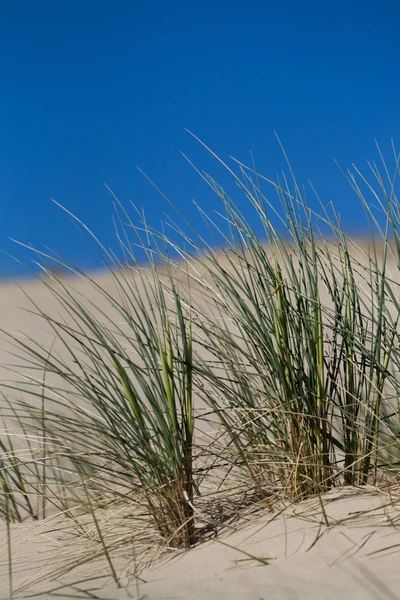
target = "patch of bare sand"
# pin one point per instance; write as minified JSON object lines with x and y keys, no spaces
{"x":302,"y":552}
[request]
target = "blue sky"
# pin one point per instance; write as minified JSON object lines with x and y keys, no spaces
{"x":91,"y":89}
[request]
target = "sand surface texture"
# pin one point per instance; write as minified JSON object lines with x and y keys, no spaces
{"x":304,"y":552}
{"x":290,"y":555}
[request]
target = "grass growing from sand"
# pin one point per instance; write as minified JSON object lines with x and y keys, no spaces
{"x":263,"y":369}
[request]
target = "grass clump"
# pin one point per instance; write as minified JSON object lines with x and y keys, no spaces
{"x":286,"y":338}
{"x":304,"y":339}
{"x":122,"y":408}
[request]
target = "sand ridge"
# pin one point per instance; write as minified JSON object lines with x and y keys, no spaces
{"x":303,"y":553}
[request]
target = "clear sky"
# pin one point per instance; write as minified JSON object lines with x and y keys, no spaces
{"x":91,"y":89}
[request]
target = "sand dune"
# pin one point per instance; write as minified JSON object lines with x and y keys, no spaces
{"x":302,"y":552}
{"x":292,"y":555}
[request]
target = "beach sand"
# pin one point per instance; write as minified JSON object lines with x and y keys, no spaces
{"x":292,"y":555}
{"x":303,"y":553}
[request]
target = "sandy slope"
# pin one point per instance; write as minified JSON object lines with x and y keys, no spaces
{"x":300,"y":557}
{"x":336,"y":567}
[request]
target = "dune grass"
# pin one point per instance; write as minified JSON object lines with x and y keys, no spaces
{"x":132,"y":424}
{"x":305,"y":343}
{"x":285,"y":340}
